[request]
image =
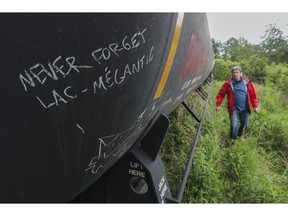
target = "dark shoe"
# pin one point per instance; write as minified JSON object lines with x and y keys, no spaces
{"x":241,"y":131}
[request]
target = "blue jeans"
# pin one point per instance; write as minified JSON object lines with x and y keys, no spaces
{"x":243,"y":116}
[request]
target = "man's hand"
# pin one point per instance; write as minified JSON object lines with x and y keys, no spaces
{"x":256,"y":109}
{"x":217,"y":108}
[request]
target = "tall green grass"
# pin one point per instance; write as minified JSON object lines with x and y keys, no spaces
{"x":252,"y":169}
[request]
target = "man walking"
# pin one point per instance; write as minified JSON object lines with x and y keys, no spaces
{"x":241,"y":95}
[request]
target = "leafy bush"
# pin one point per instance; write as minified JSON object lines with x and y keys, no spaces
{"x":222,"y":69}
{"x":277,"y":75}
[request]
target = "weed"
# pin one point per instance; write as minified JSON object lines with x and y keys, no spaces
{"x":252,"y":169}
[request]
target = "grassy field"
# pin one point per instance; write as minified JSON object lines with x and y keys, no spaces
{"x":253,"y":169}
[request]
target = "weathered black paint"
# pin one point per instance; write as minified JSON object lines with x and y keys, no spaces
{"x":51,"y":152}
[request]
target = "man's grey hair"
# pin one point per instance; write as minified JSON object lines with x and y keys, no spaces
{"x":236,"y":68}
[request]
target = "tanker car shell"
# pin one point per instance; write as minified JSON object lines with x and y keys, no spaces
{"x":78,"y":90}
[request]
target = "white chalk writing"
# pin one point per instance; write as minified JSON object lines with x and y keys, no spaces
{"x":117,"y":144}
{"x":80,"y":128}
{"x":38,"y":73}
{"x":117,"y":76}
{"x":128,"y":43}
{"x":110,"y":145}
{"x":61,"y":67}
{"x":103,"y":82}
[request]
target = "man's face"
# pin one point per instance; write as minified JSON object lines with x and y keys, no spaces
{"x":236,"y":75}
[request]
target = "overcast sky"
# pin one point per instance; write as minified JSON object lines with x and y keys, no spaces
{"x":223,"y":24}
{"x":248,"y":25}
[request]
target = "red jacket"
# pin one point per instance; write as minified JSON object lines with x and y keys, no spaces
{"x":227,"y":89}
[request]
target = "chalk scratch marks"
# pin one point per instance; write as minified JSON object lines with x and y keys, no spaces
{"x":80,"y":128}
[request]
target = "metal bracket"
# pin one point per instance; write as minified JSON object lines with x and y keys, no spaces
{"x":139,"y":177}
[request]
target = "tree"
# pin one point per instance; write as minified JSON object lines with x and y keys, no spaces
{"x":236,"y":49}
{"x":217,"y":48}
{"x":254,"y":58}
{"x":254,"y":67}
{"x":275,"y":45}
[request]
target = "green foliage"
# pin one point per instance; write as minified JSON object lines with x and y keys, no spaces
{"x":275,"y":44}
{"x":277,"y":75}
{"x":254,"y":68}
{"x":222,"y":69}
{"x":175,"y":156}
{"x":273,"y":48}
{"x":267,"y":60}
{"x":252,"y":169}
{"x":236,"y":49}
{"x":217,"y":48}
{"x":270,"y":125}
